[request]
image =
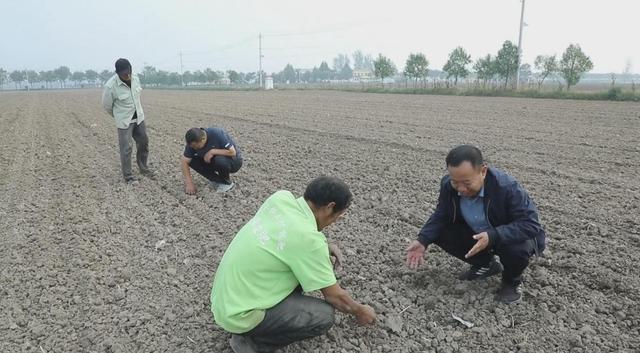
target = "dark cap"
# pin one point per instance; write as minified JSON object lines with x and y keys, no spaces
{"x":122,"y":65}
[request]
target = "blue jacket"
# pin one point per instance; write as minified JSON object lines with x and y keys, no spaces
{"x":508,"y":208}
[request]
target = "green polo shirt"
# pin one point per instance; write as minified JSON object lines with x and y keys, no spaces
{"x":277,"y":250}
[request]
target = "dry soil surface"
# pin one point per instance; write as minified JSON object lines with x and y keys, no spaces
{"x":90,"y":264}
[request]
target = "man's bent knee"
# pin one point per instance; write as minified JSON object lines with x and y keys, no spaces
{"x":522,"y":250}
{"x":325,"y":318}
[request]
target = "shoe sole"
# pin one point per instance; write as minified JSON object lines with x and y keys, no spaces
{"x":227,"y":190}
{"x":519,"y":300}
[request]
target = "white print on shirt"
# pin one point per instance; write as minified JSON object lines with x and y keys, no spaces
{"x":260,"y":232}
{"x":279,"y":234}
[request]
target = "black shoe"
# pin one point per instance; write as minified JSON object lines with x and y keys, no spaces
{"x":148,"y":173}
{"x":131,"y":180}
{"x":510,"y":293}
{"x":481,"y":272}
{"x":242,"y":344}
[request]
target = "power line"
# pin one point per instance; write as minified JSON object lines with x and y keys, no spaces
{"x":223,"y":48}
{"x":337,"y":28}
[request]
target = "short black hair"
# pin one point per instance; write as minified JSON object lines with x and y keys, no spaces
{"x":463,"y":153}
{"x":194,"y":134}
{"x":325,"y":189}
{"x":122,"y":64}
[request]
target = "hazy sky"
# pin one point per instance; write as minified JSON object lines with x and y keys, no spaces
{"x":84,"y":34}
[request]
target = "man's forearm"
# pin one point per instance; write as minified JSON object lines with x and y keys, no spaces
{"x":223,"y":152}
{"x":344,"y":303}
{"x":186,"y":172}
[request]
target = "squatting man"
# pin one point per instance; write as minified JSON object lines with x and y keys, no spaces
{"x":482,"y":212}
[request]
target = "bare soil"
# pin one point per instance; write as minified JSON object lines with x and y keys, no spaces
{"x":90,"y":264}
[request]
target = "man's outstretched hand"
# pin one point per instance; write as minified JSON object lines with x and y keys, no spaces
{"x":481,"y":244}
{"x":415,"y":254}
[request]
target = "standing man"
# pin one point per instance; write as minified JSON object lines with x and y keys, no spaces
{"x":482,"y":212}
{"x":213,"y":154}
{"x":121,"y":99}
{"x":257,"y":290}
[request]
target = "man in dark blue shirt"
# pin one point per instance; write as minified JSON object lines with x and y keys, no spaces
{"x":213,"y":154}
{"x":482,"y":212}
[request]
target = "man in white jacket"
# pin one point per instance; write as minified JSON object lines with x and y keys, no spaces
{"x":121,"y":100}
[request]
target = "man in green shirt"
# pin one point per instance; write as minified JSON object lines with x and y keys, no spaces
{"x":281,"y":252}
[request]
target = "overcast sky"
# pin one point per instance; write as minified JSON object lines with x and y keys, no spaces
{"x":88,"y":34}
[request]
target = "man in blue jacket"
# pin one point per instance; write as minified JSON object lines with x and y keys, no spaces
{"x":482,"y":212}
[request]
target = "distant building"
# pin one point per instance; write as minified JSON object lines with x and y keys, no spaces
{"x":363,"y":75}
{"x":268,"y":82}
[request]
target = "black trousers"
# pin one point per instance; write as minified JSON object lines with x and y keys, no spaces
{"x":218,"y":170}
{"x":457,"y":240}
{"x":295,"y":318}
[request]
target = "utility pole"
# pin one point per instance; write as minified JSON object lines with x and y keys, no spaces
{"x":260,"y":58}
{"x":181,"y":71}
{"x":26,"y":73}
{"x":520,"y":46}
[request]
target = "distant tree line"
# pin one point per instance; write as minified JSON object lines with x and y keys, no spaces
{"x":151,"y":76}
{"x":497,"y":71}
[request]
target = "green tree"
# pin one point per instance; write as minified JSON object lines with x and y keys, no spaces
{"x":174,"y":79}
{"x":525,"y":72}
{"x":48,"y":77}
{"x":77,"y":77}
{"x":485,"y":69}
{"x":187,"y":77}
{"x":200,"y":77}
{"x":62,"y":73}
{"x":340,"y":61}
{"x":307,"y":76}
{"x":346,"y":73}
{"x":105,"y":75}
{"x":456,"y":65}
{"x":324,"y":72}
{"x":507,"y":61}
{"x":416,"y":67}
{"x":383,"y":67}
{"x":574,"y":63}
{"x":250,"y":77}
{"x":163,"y":78}
{"x":234,"y":76}
{"x":148,"y":76}
{"x":546,"y":65}
{"x":17,"y":77}
{"x":288,"y":75}
{"x":362,"y":61}
{"x":32,"y":76}
{"x":3,"y":77}
{"x":91,"y":76}
{"x":212,"y":76}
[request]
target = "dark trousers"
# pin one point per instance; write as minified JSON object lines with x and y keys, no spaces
{"x":295,"y":318}
{"x":219,"y":168}
{"x":457,"y":240}
{"x":137,"y":133}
